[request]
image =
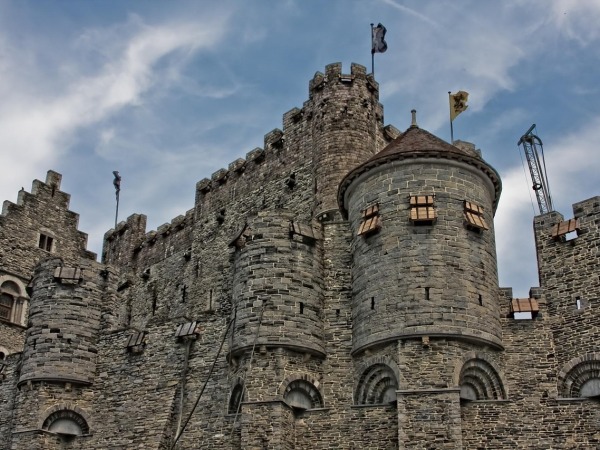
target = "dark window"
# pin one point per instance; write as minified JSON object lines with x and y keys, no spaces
{"x":45,"y":242}
{"x":6,"y":305}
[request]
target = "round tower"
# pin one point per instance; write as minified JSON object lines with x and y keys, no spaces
{"x":277,"y":283}
{"x":423,"y":247}
{"x":64,"y":319}
{"x":345,"y":113}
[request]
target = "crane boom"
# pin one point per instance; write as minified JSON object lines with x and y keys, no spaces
{"x":537,"y":168}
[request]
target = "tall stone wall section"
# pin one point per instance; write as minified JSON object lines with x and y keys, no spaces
{"x":568,"y":270}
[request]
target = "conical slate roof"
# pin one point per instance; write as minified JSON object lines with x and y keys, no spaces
{"x":418,"y":143}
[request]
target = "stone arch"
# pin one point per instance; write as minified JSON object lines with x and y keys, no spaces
{"x":302,"y":392}
{"x":3,"y":353}
{"x":479,"y":379}
{"x":580,"y":377}
{"x":377,"y":384}
{"x":65,"y":419}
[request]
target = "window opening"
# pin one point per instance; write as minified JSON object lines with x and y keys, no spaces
{"x":578,"y":303}
{"x":422,"y":211}
{"x":45,"y":242}
{"x":372,"y":302}
{"x":480,"y":300}
{"x":371,"y":221}
{"x":183,"y":293}
{"x":154,"y":300}
{"x":301,"y":307}
{"x":566,"y":230}
{"x":427,"y":293}
{"x":6,"y":304}
{"x":474,"y":219}
{"x":523,"y":308}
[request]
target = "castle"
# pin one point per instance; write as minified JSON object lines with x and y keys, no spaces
{"x":336,"y":289}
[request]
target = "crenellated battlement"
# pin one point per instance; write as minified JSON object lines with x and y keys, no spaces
{"x":288,"y":158}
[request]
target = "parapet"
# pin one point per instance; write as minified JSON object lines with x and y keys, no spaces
{"x":333,"y":74}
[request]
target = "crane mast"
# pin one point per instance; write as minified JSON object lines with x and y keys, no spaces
{"x":534,"y":153}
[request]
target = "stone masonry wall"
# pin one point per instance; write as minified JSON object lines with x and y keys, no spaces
{"x":44,"y":210}
{"x":569,"y":275}
{"x":436,"y":279}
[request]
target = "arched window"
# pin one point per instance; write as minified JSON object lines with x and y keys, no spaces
{"x":583,"y":380}
{"x":236,"y":399}
{"x":377,"y":385}
{"x":9,"y":292}
{"x":66,"y":423}
{"x":300,"y":394}
{"x":480,"y":381}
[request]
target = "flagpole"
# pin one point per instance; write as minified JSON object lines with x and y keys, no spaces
{"x":451,"y":127}
{"x":372,"y":54}
{"x":117,"y":211}
{"x":117,"y":185}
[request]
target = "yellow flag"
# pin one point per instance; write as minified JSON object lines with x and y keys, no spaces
{"x":458,"y":103}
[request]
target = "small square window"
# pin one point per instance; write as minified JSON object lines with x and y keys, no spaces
{"x":371,"y":221}
{"x":474,"y":219}
{"x":45,"y":242}
{"x":136,"y":342}
{"x":422,"y":211}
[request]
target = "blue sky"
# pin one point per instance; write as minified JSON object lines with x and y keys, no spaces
{"x":169,"y":92}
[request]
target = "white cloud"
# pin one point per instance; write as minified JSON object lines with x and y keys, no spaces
{"x":36,"y":125}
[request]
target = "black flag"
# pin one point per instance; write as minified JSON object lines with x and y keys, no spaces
{"x":379,"y":45}
{"x":117,"y":182}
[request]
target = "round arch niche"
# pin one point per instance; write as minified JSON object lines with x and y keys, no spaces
{"x":67,"y":423}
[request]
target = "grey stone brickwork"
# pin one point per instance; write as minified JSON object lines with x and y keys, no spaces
{"x":265,"y":317}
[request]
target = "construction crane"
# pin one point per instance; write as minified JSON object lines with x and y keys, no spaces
{"x":534,"y":152}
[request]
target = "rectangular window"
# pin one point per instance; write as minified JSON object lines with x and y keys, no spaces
{"x":45,"y":242}
{"x":136,"y":342}
{"x":6,"y":303}
{"x":422,"y":211}
{"x":474,"y":217}
{"x":371,"y":221}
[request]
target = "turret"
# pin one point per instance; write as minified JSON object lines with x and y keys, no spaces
{"x":424,"y":250}
{"x":346,"y":116}
{"x":64,"y":320}
{"x":277,"y":282}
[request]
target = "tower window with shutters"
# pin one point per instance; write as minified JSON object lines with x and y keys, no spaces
{"x":422,"y":211}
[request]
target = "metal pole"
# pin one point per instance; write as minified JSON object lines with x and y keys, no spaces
{"x":372,"y":54}
{"x":451,"y":126}
{"x":117,"y":211}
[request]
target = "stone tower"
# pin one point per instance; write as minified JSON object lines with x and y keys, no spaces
{"x":424,"y":277}
{"x":346,"y":118}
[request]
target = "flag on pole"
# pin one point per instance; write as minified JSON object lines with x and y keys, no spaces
{"x":378,"y":39}
{"x":117,"y":182}
{"x":458,"y":103}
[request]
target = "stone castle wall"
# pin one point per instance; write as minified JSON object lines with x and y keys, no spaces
{"x":265,"y":318}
